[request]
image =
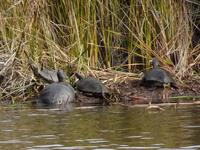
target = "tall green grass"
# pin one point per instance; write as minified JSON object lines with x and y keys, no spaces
{"x":122,"y":35}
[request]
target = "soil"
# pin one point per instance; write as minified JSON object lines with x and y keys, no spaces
{"x":129,"y":91}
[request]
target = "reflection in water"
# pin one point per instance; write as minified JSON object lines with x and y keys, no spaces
{"x":100,"y":128}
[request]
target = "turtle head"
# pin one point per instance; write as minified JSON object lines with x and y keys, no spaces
{"x":155,"y":62}
{"x":34,"y":68}
{"x":79,"y":76}
{"x":60,"y":75}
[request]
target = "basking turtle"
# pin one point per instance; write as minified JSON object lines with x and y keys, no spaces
{"x":90,"y":86}
{"x":49,"y":76}
{"x":58,"y":93}
{"x":157,"y":77}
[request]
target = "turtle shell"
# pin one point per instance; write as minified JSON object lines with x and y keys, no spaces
{"x":91,"y":86}
{"x":157,"y":77}
{"x":56,"y":94}
{"x":59,"y":93}
{"x":49,"y":76}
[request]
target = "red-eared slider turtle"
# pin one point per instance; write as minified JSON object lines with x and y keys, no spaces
{"x":91,"y":86}
{"x":157,"y":77}
{"x":58,"y":93}
{"x":49,"y":76}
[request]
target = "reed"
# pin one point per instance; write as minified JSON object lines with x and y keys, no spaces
{"x":99,"y":34}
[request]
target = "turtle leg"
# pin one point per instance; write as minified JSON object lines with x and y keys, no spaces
{"x":106,"y":98}
{"x":165,"y":93}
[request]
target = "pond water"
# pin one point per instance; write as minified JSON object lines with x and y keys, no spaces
{"x":100,"y":128}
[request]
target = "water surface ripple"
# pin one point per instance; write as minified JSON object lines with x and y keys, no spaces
{"x":100,"y":128}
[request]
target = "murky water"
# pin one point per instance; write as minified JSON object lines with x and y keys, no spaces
{"x":100,"y":128}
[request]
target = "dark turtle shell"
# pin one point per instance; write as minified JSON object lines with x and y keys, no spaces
{"x":49,"y":76}
{"x":56,"y":94}
{"x":59,"y":93}
{"x":157,"y":77}
{"x":90,"y":86}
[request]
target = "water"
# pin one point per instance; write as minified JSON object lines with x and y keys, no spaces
{"x":100,"y":128}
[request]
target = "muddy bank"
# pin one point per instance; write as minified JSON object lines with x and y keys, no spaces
{"x":128,"y":90}
{"x":132,"y":93}
{"x":125,"y":89}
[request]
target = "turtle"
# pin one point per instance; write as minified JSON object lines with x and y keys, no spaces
{"x":49,"y":76}
{"x":91,"y":86}
{"x":157,"y":77}
{"x":57,"y":93}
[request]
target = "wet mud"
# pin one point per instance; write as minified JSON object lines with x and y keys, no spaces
{"x":130,"y":92}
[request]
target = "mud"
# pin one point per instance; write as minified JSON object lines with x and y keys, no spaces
{"x":130,"y":92}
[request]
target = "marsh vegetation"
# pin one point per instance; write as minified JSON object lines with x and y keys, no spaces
{"x":96,"y":37}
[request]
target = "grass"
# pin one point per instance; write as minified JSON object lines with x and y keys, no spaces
{"x":113,"y":35}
